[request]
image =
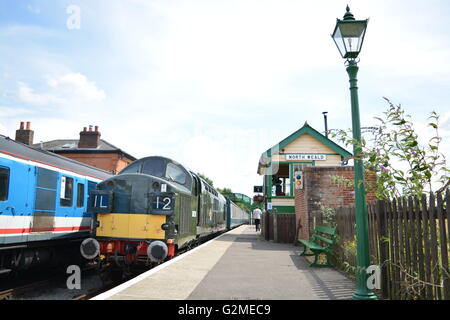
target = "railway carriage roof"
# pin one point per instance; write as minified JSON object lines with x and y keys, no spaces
{"x":22,"y":151}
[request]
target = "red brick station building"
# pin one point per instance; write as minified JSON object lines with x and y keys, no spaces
{"x":298,"y":179}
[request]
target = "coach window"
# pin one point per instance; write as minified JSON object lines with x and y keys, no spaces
{"x":80,"y":195}
{"x":66,"y":194}
{"x":4,"y":183}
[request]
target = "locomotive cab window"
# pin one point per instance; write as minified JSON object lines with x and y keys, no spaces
{"x":154,"y":167}
{"x":66,"y":194}
{"x":135,"y":167}
{"x":4,"y":183}
{"x":175,"y":173}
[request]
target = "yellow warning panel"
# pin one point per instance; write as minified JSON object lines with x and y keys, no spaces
{"x":122,"y":225}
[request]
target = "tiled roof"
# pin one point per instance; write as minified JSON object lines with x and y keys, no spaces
{"x":71,"y":145}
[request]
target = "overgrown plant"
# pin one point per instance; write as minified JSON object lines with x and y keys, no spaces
{"x":328,"y":214}
{"x":402,"y":165}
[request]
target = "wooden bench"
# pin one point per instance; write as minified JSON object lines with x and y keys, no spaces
{"x":326,"y":235}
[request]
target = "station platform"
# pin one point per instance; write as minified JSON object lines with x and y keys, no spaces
{"x":238,"y":265}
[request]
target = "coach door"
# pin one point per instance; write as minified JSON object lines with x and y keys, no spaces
{"x":80,"y":221}
{"x":197,"y":195}
{"x":45,"y":200}
{"x":14,"y":202}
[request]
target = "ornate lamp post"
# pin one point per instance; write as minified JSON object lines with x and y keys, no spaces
{"x":349,"y":36}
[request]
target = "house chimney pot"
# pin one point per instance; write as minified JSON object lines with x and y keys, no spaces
{"x":89,"y":139}
{"x":25,"y":136}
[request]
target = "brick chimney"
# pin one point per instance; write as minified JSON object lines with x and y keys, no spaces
{"x":89,"y":139}
{"x":25,"y":135}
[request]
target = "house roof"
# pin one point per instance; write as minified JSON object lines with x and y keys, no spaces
{"x":306,"y":129}
{"x":71,"y":146}
{"x":23,"y":151}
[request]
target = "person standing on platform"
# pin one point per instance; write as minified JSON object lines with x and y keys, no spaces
{"x":257,"y":216}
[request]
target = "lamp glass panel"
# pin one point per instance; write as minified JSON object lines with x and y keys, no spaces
{"x":349,"y":37}
{"x":353,"y":34}
{"x":354,"y":29}
{"x":337,"y":37}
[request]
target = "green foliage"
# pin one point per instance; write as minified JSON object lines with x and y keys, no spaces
{"x":225,"y":191}
{"x":210,"y":182}
{"x":328,"y":214}
{"x":341,"y":181}
{"x":402,"y":165}
{"x":344,"y":255}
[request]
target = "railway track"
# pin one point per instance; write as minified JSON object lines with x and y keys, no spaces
{"x":32,"y":285}
{"x":10,"y":293}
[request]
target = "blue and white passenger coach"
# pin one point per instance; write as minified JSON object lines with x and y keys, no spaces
{"x":43,"y":204}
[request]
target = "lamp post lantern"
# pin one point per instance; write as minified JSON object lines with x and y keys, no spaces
{"x":349,"y":36}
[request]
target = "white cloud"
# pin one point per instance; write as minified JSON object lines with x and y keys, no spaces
{"x":71,"y":87}
{"x":77,"y":86}
{"x":7,"y":112}
{"x":26,"y":94}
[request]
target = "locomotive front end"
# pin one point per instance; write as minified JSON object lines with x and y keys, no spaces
{"x":134,"y":220}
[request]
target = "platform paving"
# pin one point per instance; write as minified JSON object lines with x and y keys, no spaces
{"x":239,"y":265}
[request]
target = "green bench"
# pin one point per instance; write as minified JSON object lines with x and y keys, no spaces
{"x":326,"y":235}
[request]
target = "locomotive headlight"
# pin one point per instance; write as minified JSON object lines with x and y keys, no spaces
{"x":165,"y":226}
{"x":157,"y":251}
{"x":90,"y":248}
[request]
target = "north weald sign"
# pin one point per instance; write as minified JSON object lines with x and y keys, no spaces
{"x":306,"y":157}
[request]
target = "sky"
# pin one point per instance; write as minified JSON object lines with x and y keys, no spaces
{"x":212,"y":84}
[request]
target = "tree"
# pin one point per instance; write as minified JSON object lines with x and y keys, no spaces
{"x":402,"y":165}
{"x":225,"y":191}
{"x":208,"y":180}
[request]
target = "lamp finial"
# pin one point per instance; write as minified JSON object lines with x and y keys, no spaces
{"x":348,"y":15}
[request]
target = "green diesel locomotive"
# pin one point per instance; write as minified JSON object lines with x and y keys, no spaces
{"x":152,"y":209}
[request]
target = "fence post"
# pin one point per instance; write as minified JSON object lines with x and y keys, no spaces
{"x":443,"y":246}
{"x":383,"y":247}
{"x":275,"y":227}
{"x":266,"y":225}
